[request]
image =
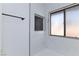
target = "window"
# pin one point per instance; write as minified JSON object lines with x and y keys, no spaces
{"x":66,"y":22}
{"x":57,"y":26}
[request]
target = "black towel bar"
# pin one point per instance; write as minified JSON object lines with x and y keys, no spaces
{"x":13,"y":16}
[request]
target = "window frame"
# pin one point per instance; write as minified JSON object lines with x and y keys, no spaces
{"x":64,"y":11}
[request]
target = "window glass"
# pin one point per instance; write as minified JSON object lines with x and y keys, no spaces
{"x":57,"y":23}
{"x":72,"y":22}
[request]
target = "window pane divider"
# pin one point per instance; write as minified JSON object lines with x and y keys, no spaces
{"x":64,"y":23}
